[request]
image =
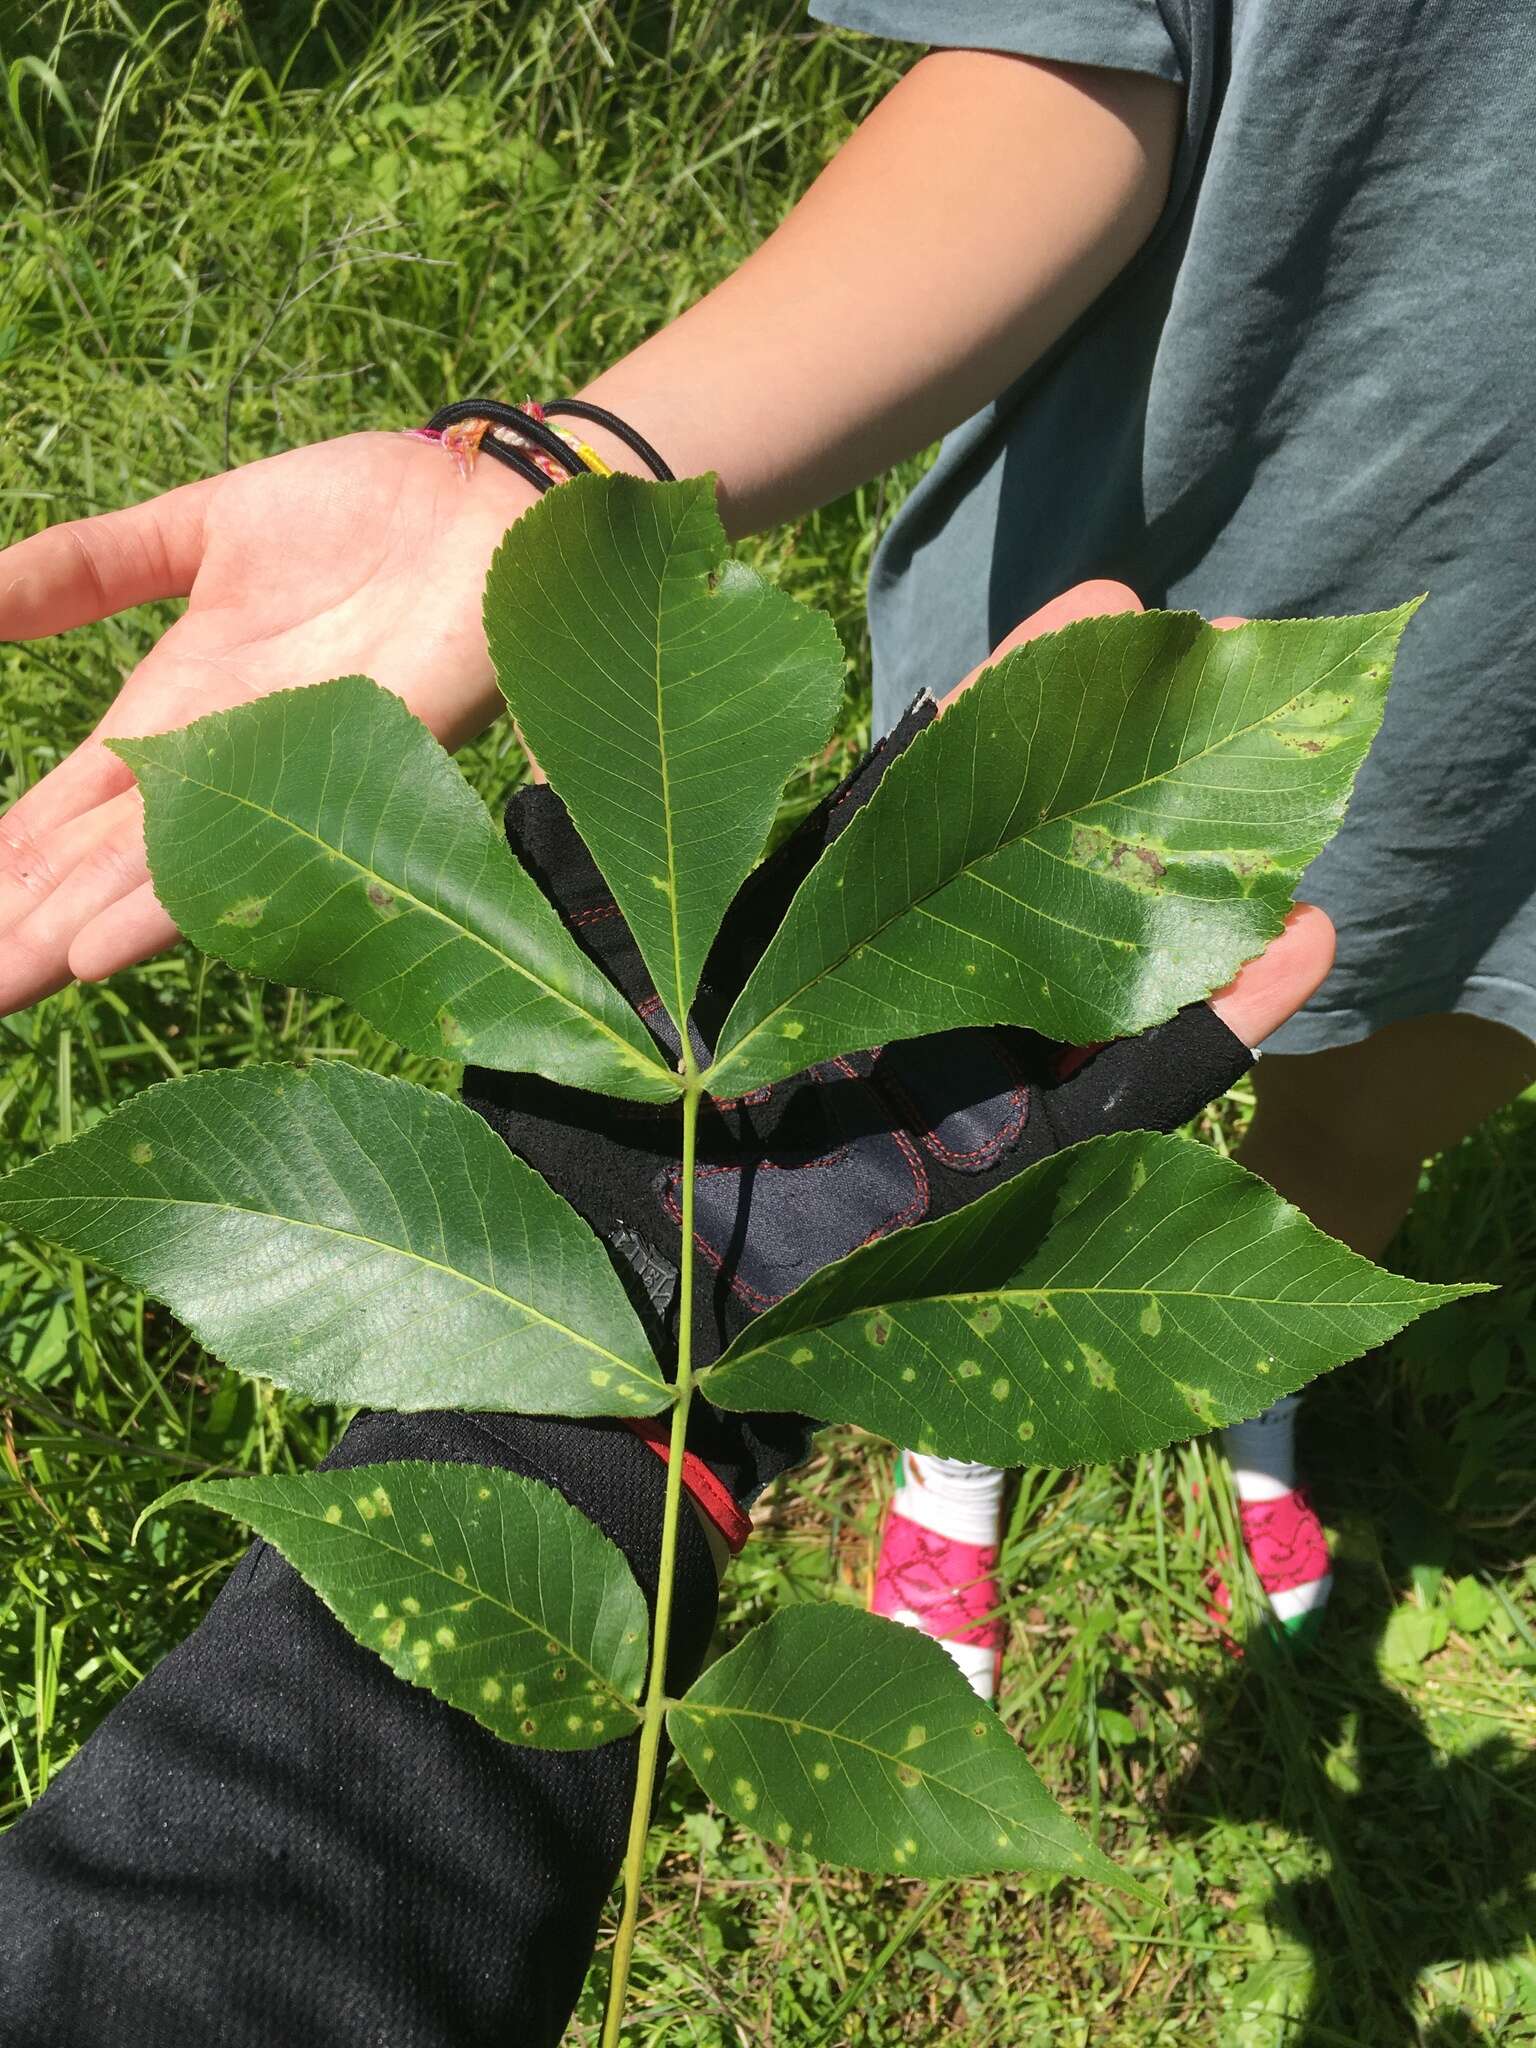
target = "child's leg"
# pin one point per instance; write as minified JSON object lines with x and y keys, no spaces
{"x":1344,"y":1134}
{"x":937,"y":1568}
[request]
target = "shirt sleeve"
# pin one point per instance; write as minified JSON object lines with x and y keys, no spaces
{"x":1120,"y":35}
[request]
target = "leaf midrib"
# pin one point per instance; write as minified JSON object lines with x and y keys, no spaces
{"x":15,"y":1202}
{"x":680,"y":1013}
{"x":1012,"y":1294}
{"x":632,"y":1054}
{"x":1131,"y":789}
{"x":460,"y":1585}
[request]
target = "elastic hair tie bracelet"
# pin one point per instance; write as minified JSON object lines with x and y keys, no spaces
{"x":520,"y":438}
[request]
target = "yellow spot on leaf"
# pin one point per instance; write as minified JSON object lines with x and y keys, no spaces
{"x":1151,"y":1319}
{"x":333,"y":1513}
{"x":490,"y":1691}
{"x":1199,"y":1403}
{"x":245,"y":913}
{"x":142,"y":1154}
{"x":746,"y":1792}
{"x":1100,"y":1371}
{"x":446,"y":1639}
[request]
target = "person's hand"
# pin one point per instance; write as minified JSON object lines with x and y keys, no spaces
{"x":363,"y":555}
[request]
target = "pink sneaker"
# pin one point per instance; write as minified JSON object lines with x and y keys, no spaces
{"x":1289,"y":1553}
{"x":949,"y":1590}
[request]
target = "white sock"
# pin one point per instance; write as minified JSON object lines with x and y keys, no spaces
{"x":950,"y":1497}
{"x":1262,"y":1453}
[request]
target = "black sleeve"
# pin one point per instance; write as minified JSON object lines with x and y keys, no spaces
{"x":273,"y":1840}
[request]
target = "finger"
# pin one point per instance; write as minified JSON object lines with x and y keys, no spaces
{"x":35,"y":959}
{"x":1226,"y":623}
{"x":1083,"y":601}
{"x":130,"y":931}
{"x":159,"y":694}
{"x":90,"y":775}
{"x":32,"y":871}
{"x":1274,"y":987}
{"x":87,"y":569}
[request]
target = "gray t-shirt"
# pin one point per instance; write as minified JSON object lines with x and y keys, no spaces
{"x":1310,"y":393}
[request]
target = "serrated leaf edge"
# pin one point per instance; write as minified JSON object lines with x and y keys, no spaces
{"x":194,"y":1489}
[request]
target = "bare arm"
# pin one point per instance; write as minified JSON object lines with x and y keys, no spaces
{"x":979,"y":210}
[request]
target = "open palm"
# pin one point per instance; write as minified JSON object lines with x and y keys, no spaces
{"x":361,"y":555}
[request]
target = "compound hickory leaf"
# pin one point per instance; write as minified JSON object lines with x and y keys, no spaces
{"x":852,"y":1737}
{"x":488,"y":1589}
{"x":359,"y":1239}
{"x":1104,"y":827}
{"x":666,"y":692}
{"x":322,"y":837}
{"x":1126,"y":1293}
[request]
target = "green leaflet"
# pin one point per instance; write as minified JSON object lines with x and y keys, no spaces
{"x":834,"y":1731}
{"x":488,"y":1589}
{"x":359,"y":1239}
{"x":1126,"y":1293}
{"x":322,"y":837}
{"x":1100,"y":830}
{"x":667,"y":694}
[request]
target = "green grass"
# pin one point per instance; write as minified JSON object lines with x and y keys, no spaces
{"x":222,"y":239}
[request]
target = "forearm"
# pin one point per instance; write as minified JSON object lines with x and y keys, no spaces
{"x":980,"y":209}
